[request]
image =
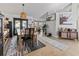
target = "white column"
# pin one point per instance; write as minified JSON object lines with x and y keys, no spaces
{"x":75,"y":16}
{"x":57,"y":24}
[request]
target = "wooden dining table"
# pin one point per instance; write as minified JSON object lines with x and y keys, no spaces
{"x":20,"y":42}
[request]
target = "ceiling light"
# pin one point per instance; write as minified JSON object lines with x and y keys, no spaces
{"x":23,"y":14}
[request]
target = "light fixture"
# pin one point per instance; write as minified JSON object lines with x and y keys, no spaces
{"x":48,"y":17}
{"x":23,"y":15}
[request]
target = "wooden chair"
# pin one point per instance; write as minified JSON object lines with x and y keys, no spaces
{"x":20,"y":43}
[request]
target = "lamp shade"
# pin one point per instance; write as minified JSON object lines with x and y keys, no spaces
{"x":23,"y":15}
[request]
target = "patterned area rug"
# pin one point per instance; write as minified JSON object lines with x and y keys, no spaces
{"x":13,"y":44}
{"x":12,"y":48}
{"x":35,"y":46}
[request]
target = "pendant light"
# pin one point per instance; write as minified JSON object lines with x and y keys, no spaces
{"x":23,"y":15}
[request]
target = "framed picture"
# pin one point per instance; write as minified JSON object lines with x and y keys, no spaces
{"x":65,"y":18}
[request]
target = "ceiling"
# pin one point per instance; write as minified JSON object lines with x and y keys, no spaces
{"x":32,"y":9}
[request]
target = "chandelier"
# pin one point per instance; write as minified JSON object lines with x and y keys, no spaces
{"x":23,"y":15}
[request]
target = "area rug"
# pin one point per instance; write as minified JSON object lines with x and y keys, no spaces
{"x":35,"y":46}
{"x":13,"y":44}
{"x":53,"y":42}
{"x":12,"y":47}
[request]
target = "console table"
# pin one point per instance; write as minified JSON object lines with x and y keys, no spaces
{"x":68,"y":34}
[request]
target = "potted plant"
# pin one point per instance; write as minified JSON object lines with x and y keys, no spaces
{"x":44,"y":29}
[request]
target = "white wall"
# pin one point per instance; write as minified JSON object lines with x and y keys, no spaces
{"x":73,"y":19}
{"x":63,"y":26}
{"x":51,"y":27}
{"x":75,"y":13}
{"x":57,"y":24}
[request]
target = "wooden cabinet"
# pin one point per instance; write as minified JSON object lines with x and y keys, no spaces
{"x":64,"y":35}
{"x":19,"y":24}
{"x":68,"y":35}
{"x":6,"y":39}
{"x":4,"y":36}
{"x":74,"y":35}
